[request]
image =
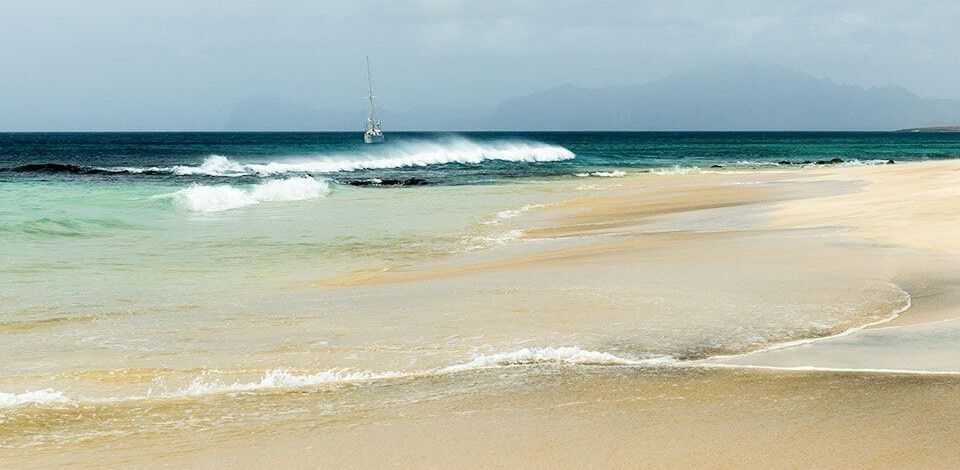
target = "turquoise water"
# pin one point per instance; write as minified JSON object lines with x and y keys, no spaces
{"x":81,"y":248}
{"x":100,"y":224}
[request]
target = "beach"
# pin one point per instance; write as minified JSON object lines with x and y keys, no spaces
{"x":791,"y":317}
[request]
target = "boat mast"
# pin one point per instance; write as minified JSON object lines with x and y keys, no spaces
{"x":370,"y":93}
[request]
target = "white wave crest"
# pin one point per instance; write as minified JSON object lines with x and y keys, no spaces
{"x":678,"y":170}
{"x":549,"y":355}
{"x":511,"y":213}
{"x":609,"y":174}
{"x":202,"y":198}
{"x":756,"y":163}
{"x":602,"y":174}
{"x":279,"y":379}
{"x":36,"y":397}
{"x":398,"y":155}
{"x":214,"y":165}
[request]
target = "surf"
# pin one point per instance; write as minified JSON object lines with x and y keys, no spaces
{"x":284,"y":379}
{"x":419,"y":153}
{"x":207,"y":198}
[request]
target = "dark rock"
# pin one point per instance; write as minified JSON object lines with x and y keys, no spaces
{"x":388,"y":182}
{"x":784,"y":162}
{"x":716,"y":166}
{"x":414,"y":182}
{"x":890,"y":162}
{"x":830,"y":162}
{"x":54,"y":168}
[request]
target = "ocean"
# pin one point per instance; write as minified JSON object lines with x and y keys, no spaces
{"x":431,"y":158}
{"x":144,"y":267}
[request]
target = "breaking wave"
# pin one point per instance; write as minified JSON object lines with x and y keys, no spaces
{"x":399,"y":155}
{"x":203,"y":198}
{"x":214,"y":165}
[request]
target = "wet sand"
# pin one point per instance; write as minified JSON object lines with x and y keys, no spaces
{"x":912,"y":215}
{"x":692,"y":266}
{"x":610,"y":418}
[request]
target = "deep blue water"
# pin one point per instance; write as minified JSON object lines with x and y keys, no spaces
{"x":433,"y":158}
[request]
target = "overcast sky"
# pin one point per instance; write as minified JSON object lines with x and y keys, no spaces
{"x":179,"y":64}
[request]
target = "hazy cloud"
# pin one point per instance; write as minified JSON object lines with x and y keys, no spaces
{"x":184,"y":64}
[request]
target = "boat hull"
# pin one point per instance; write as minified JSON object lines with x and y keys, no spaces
{"x":372,"y":138}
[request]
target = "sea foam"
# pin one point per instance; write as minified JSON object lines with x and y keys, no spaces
{"x":856,"y":162}
{"x":203,"y":198}
{"x":678,"y":170}
{"x":280,"y":379}
{"x":511,"y":213}
{"x":36,"y":397}
{"x":602,"y":174}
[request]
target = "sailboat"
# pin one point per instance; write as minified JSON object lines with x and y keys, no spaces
{"x":373,"y":134}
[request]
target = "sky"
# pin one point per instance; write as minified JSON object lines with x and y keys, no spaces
{"x":183,"y":65}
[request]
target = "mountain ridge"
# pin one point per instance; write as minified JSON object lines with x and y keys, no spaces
{"x":719,"y":98}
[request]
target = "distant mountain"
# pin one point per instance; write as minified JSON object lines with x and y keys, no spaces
{"x":439,"y":118}
{"x":932,"y":129}
{"x":726,"y":98}
{"x":268,"y":113}
{"x":713,"y":99}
